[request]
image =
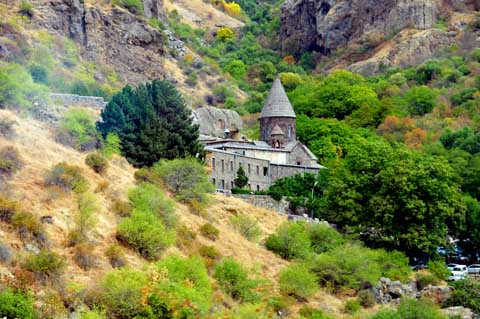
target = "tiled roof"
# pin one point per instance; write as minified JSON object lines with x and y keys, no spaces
{"x":277,"y":103}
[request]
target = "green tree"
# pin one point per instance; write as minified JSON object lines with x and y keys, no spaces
{"x":420,"y":100}
{"x":242,"y":180}
{"x":152,"y":122}
{"x":236,"y":68}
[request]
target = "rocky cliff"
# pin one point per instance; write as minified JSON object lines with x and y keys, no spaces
{"x":324,"y":26}
{"x":109,"y":35}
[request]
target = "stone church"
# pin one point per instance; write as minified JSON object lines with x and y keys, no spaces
{"x":278,"y":154}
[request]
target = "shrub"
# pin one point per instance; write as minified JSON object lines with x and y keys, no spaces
{"x":17,"y":305}
{"x":97,"y":162}
{"x":421,"y":100}
{"x":67,"y":177}
{"x":352,"y":306}
{"x":209,"y":231}
{"x":296,"y":280}
{"x":186,"y":288}
{"x":27,"y":224}
{"x":210,"y":255}
{"x":290,"y":241}
{"x":233,"y":279}
{"x":425,"y":279}
{"x":466,"y":294}
{"x":45,"y":265}
{"x":311,"y":313}
{"x":102,"y":186}
{"x":225,"y":34}
{"x":151,"y":199}
{"x":84,"y":256}
{"x":121,"y":291}
{"x":145,"y":233}
{"x":111,"y":145}
{"x":6,"y":255}
{"x":7,"y":209}
{"x":185,"y":236}
{"x":86,"y":219}
{"x":10,"y":161}
{"x":26,"y":8}
{"x":92,"y":314}
{"x":77,"y":130}
{"x":122,"y":208}
{"x":186,"y":178}
{"x":366,"y":298}
{"x":439,"y":269}
{"x":116,"y":256}
{"x":246,"y":226}
{"x":6,"y":127}
{"x":324,"y":237}
{"x":134,"y":6}
{"x":421,"y":309}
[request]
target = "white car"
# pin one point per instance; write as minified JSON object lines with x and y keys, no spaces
{"x":451,"y":266}
{"x":459,"y":272}
{"x":474,"y":269}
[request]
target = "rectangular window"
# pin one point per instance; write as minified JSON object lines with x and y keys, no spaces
{"x":223,"y":184}
{"x":258,"y":170}
{"x":232,"y":186}
{"x":258,"y":188}
{"x":231,"y":166}
{"x":213,"y":162}
{"x":249,"y":169}
{"x":214,"y":182}
{"x":265,"y":171}
{"x":223,"y":165}
{"x":249,"y":186}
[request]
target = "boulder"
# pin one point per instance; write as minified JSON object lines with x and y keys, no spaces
{"x":388,"y":291}
{"x":459,"y":312}
{"x":438,"y":294}
{"x":214,"y":121}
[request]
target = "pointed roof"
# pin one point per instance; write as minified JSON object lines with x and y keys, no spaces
{"x":277,"y":103}
{"x":277,"y":130}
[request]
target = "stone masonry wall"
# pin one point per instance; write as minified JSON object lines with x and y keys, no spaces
{"x":266,"y":202}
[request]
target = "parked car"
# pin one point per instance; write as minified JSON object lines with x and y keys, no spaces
{"x":474,"y":269}
{"x":419,"y":267}
{"x":459,"y":272}
{"x":451,"y":266}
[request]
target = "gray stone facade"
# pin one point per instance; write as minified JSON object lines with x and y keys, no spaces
{"x":277,"y":155}
{"x":77,"y":100}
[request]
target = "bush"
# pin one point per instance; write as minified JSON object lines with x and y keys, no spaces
{"x":67,"y":177}
{"x":324,"y":237}
{"x":10,"y":161}
{"x":84,"y":256}
{"x":439,"y":269}
{"x":466,"y":294}
{"x":311,"y":313}
{"x":122,"y":208}
{"x":86,"y":217}
{"x":6,"y":127}
{"x":151,"y":199}
{"x":209,"y":231}
{"x":121,"y":291}
{"x":425,"y":279}
{"x":185,"y":236}
{"x":225,"y":34}
{"x":352,"y":306}
{"x":246,"y":226}
{"x":209,"y":252}
{"x":45,"y":265}
{"x":134,"y":6}
{"x":26,"y":8}
{"x":92,"y":314}
{"x":366,"y":298}
{"x":116,"y":256}
{"x":77,"y":130}
{"x":186,"y":178}
{"x":290,"y":241}
{"x":296,"y":280}
{"x":421,"y":309}
{"x":27,"y":224}
{"x":421,"y":100}
{"x":145,"y":233}
{"x":97,"y":162}
{"x":17,"y":305}
{"x":7,"y":209}
{"x":6,"y":254}
{"x":233,"y":279}
{"x":111,"y":145}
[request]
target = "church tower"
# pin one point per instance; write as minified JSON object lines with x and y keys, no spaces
{"x":277,"y":117}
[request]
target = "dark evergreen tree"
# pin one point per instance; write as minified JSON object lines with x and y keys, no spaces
{"x":242,"y":180}
{"x":152,"y":122}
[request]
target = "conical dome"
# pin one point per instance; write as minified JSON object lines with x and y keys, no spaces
{"x":277,"y":130}
{"x":277,"y":103}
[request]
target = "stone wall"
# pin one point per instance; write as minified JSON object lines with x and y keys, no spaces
{"x":266,"y":202}
{"x":287,"y":124}
{"x":77,"y":100}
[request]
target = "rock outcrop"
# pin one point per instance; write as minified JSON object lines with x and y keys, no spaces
{"x":214,"y":122}
{"x":459,"y":312}
{"x":392,"y":291}
{"x":154,"y":9}
{"x":108,"y":36}
{"x":325,"y":25}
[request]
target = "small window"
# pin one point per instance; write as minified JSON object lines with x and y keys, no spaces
{"x":231,"y":166}
{"x":249,"y":169}
{"x":243,"y":152}
{"x":299,"y":163}
{"x":223,"y":184}
{"x":258,"y":170}
{"x":265,"y":171}
{"x":232,"y":186}
{"x":213,"y":162}
{"x":223,"y":165}
{"x":214,"y":181}
{"x":249,"y":186}
{"x":258,"y":188}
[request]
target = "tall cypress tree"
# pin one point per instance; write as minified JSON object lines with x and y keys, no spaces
{"x":152,"y":122}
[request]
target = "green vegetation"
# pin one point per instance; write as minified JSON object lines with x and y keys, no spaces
{"x":242,"y":180}
{"x":298,"y":281}
{"x":209,"y":231}
{"x":412,"y":309}
{"x":290,"y":241}
{"x":352,"y":306}
{"x":247,"y":226}
{"x":466,"y":294}
{"x":96,"y":162}
{"x":233,"y":278}
{"x":77,"y":129}
{"x":134,"y":6}
{"x":152,"y":122}
{"x":17,"y":305}
{"x":45,"y":265}
{"x":67,"y":177}
{"x":10,"y":161}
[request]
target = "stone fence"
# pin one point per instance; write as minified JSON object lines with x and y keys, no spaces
{"x":267,"y":202}
{"x":77,"y":100}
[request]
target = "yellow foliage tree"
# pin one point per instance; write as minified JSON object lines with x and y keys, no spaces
{"x":233,"y":9}
{"x":225,"y":34}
